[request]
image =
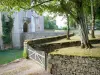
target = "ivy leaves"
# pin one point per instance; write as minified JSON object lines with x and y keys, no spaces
{"x":6,"y":29}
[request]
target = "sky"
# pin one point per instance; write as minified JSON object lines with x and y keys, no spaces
{"x":60,"y":20}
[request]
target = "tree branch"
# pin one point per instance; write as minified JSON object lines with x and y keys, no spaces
{"x":66,"y":9}
{"x":40,"y":4}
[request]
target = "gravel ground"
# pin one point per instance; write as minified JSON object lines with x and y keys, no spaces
{"x":22,"y":67}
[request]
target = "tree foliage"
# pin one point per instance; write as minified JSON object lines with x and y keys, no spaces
{"x":76,"y":8}
{"x":49,"y":23}
{"x":6,"y":29}
{"x":12,"y":5}
{"x":64,"y":28}
{"x":72,"y":22}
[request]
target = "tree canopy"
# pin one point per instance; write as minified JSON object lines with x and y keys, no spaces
{"x":8,"y":5}
{"x":49,"y":23}
{"x":76,"y":9}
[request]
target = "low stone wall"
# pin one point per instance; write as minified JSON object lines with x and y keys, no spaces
{"x":40,"y":44}
{"x":59,"y":64}
{"x":47,"y":39}
{"x":32,"y":46}
{"x":19,"y":38}
{"x":73,"y":65}
{"x":35,"y":35}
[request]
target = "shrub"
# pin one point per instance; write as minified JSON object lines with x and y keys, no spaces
{"x":25,"y":54}
{"x":6,"y":29}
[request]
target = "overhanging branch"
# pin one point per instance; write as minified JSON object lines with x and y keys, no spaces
{"x":40,"y":4}
{"x":66,"y":9}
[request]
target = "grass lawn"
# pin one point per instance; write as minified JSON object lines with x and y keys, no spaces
{"x":10,"y":55}
{"x":77,"y":51}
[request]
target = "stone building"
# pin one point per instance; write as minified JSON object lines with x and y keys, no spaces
{"x":24,"y":21}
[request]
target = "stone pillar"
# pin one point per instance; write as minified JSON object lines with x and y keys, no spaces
{"x":41,"y":23}
{"x":25,"y":52}
{"x":16,"y":31}
{"x":33,"y":24}
{"x":1,"y":41}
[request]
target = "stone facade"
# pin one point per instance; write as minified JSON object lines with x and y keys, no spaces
{"x":73,"y":65}
{"x":33,"y":21}
{"x":24,"y":21}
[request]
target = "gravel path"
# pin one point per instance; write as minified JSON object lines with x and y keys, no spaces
{"x":22,"y":67}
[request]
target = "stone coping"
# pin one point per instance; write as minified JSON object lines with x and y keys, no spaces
{"x":60,"y":55}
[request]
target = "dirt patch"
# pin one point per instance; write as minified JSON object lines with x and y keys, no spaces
{"x":22,"y":67}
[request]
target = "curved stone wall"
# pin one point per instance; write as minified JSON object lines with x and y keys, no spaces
{"x":73,"y":65}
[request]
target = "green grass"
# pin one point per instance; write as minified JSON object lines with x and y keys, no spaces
{"x":77,"y":51}
{"x":7,"y":56}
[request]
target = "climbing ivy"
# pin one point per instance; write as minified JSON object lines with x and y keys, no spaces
{"x":6,"y":29}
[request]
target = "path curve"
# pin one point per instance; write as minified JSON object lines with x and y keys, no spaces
{"x":22,"y":67}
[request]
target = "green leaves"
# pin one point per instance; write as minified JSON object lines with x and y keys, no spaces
{"x":49,"y":23}
{"x":7,"y":28}
{"x":14,"y":4}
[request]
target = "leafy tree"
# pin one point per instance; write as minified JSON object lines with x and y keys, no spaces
{"x":14,"y":4}
{"x":7,"y":28}
{"x":73,"y":7}
{"x":93,"y":18}
{"x":97,"y":24}
{"x":94,"y":6}
{"x":64,"y":28}
{"x":98,"y":13}
{"x":72,"y":22}
{"x":49,"y":23}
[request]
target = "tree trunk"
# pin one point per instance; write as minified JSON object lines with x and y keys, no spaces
{"x":82,"y":24}
{"x":93,"y":19}
{"x":86,"y":22}
{"x":68,"y":30}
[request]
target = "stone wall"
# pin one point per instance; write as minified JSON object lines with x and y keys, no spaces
{"x":43,"y":44}
{"x":34,"y":46}
{"x":18,"y":39}
{"x":34,"y":35}
{"x":73,"y":65}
